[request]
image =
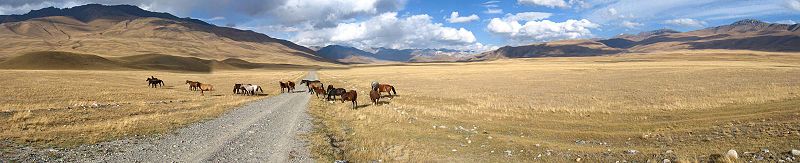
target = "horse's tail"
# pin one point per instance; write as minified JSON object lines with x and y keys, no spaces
{"x":259,"y":89}
{"x":393,"y":91}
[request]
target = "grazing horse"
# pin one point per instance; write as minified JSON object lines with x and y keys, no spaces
{"x":351,"y":96}
{"x":192,"y":85}
{"x":154,"y":82}
{"x":291,"y":86}
{"x":319,"y":91}
{"x":386,"y":88}
{"x":205,"y":87}
{"x":237,"y":88}
{"x":284,"y":85}
{"x":335,"y":92}
{"x":374,"y":96}
{"x":251,"y":89}
{"x":374,"y":85}
{"x":311,"y":84}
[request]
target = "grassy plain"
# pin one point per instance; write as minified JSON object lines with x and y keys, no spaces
{"x":66,"y":108}
{"x":684,"y":105}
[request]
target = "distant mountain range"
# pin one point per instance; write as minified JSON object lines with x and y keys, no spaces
{"x":746,"y":34}
{"x":347,"y":54}
{"x":125,"y":30}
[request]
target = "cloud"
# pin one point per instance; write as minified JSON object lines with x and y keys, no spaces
{"x":686,"y":22}
{"x":493,"y":11}
{"x":492,"y":7}
{"x":546,"y":3}
{"x":527,"y":16}
{"x":454,"y":18}
{"x":537,"y":29}
{"x":786,"y":22}
{"x":793,"y":4}
{"x":389,"y":30}
{"x":615,"y":11}
{"x":631,"y":25}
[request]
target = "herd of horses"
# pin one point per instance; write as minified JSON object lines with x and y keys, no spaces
{"x":314,"y":87}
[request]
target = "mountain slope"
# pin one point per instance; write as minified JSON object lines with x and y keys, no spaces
{"x":124,"y":30}
{"x":746,"y":34}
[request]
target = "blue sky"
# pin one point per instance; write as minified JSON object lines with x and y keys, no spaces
{"x":480,"y":24}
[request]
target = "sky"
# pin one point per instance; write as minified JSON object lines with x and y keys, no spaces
{"x":476,"y":25}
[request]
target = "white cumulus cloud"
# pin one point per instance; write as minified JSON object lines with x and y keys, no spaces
{"x":546,"y":3}
{"x":536,"y":29}
{"x":686,"y":22}
{"x":389,"y":30}
{"x":786,"y":22}
{"x":455,"y":18}
{"x":631,"y":25}
{"x":793,"y":4}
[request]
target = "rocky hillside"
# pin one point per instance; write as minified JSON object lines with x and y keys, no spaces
{"x":124,"y":30}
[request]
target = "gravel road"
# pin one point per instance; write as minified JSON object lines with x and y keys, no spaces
{"x":262,"y":131}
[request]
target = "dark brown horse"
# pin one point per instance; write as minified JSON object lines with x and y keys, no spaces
{"x":386,"y":88}
{"x":291,"y":86}
{"x":351,"y":96}
{"x":332,"y":93}
{"x":154,"y":82}
{"x":239,"y":88}
{"x":192,"y":85}
{"x":284,"y":85}
{"x":374,"y":96}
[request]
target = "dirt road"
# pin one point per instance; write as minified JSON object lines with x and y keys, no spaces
{"x":262,"y":131}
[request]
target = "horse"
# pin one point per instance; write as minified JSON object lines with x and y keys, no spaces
{"x":237,"y":88}
{"x":154,"y":82}
{"x":205,"y":87}
{"x":284,"y":85}
{"x":374,"y":85}
{"x":291,"y":86}
{"x":319,"y":91}
{"x":374,"y":96}
{"x":335,"y":92}
{"x":351,"y":96}
{"x":386,"y":88}
{"x":312,"y":83}
{"x":192,"y":85}
{"x":251,"y":89}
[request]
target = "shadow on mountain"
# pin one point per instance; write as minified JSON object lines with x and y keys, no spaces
{"x":763,"y":43}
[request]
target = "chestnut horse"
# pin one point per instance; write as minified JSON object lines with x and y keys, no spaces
{"x":205,"y":87}
{"x":284,"y":85}
{"x":319,"y":91}
{"x":351,"y":96}
{"x":311,"y":84}
{"x":374,"y":96}
{"x":192,"y":85}
{"x":386,"y":88}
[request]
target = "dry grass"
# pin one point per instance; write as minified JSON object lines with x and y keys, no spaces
{"x":692,"y":103}
{"x":65,"y":108}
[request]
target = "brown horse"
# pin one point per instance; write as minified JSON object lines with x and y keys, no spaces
{"x":239,"y":88}
{"x":291,"y":86}
{"x":386,"y":88}
{"x":205,"y":87}
{"x":284,"y":85}
{"x":332,"y":93}
{"x":374,"y":96}
{"x":192,"y":85}
{"x":311,"y":84}
{"x":351,"y":96}
{"x":319,"y":91}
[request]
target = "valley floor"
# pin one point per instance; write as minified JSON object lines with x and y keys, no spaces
{"x":691,"y":105}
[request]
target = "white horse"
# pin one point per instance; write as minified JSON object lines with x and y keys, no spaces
{"x":251,"y":89}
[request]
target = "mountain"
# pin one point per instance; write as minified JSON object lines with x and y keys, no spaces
{"x":347,"y":54}
{"x":748,"y":34}
{"x":125,"y":30}
{"x":564,"y":48}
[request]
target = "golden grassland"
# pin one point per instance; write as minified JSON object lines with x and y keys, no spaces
{"x":672,"y":105}
{"x":67,"y":108}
